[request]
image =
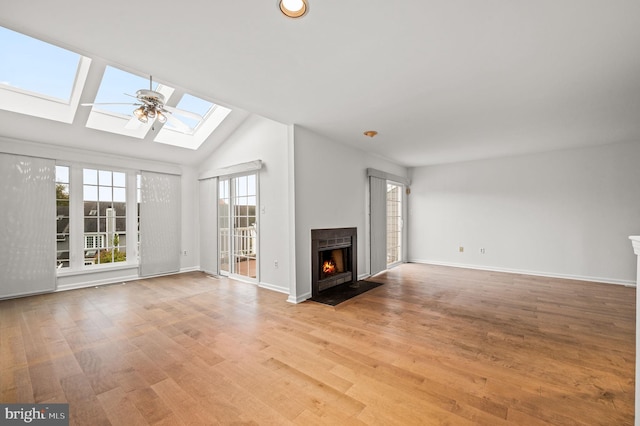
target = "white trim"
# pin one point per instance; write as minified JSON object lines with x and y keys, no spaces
{"x":97,"y":268}
{"x":635,"y":242}
{"x":273,"y":287}
{"x":300,"y":298}
{"x":251,"y":166}
{"x":65,"y":155}
{"x":601,"y":280}
{"x":387,"y":176}
{"x":97,"y":283}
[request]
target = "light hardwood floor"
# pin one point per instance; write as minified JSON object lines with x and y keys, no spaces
{"x":434,"y":345}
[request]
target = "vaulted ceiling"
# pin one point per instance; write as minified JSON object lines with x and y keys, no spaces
{"x":440,"y":81}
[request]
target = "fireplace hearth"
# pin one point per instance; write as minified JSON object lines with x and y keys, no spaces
{"x":333,"y":258}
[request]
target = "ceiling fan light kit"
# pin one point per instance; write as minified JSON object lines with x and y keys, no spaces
{"x":293,"y":8}
{"x":151,"y":106}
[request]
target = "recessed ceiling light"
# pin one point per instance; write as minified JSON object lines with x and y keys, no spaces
{"x":370,"y":133}
{"x":293,"y":8}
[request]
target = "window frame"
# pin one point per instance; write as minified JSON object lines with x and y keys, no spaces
{"x":77,"y":241}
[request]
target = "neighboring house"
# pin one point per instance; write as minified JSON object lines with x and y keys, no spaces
{"x":104,"y":231}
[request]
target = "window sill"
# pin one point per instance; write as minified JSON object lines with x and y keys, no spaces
{"x":67,"y":272}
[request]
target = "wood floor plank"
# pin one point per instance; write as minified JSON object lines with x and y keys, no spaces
{"x":433,"y":345}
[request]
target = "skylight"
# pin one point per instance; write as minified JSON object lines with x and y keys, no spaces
{"x":118,"y":94}
{"x":44,"y":80}
{"x":192,"y":104}
{"x":116,"y":86}
{"x":212,"y":115}
{"x":35,"y":66}
{"x":38,"y":78}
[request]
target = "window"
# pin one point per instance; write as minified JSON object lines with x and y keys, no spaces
{"x":192,"y":104}
{"x":105,"y":214}
{"x":62,"y":217}
{"x":197,"y":130}
{"x":50,"y":70}
{"x":38,"y":78}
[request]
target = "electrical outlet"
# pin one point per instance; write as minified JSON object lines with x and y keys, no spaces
{"x":482,"y":250}
{"x":184,"y":253}
{"x":461,"y":249}
{"x":275,"y":264}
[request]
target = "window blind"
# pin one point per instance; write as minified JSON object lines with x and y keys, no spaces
{"x":160,"y":223}
{"x":28,"y":230}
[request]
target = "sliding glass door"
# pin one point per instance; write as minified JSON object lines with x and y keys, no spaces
{"x":394,"y":223}
{"x":238,"y":226}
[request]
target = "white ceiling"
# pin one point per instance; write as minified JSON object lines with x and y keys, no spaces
{"x":441,"y":81}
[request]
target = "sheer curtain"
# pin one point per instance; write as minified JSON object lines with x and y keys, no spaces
{"x":28,"y":226}
{"x":378,"y":227}
{"x":209,"y":225}
{"x":160,"y":223}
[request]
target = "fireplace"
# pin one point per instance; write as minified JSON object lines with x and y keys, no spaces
{"x":333,"y":258}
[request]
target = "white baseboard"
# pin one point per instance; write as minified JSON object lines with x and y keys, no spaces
{"x":273,"y":287}
{"x":602,"y":280}
{"x":299,"y":299}
{"x":117,"y":280}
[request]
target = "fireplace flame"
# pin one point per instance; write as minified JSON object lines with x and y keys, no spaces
{"x":329,"y":267}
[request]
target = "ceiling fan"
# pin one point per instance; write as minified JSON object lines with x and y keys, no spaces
{"x":151,"y":107}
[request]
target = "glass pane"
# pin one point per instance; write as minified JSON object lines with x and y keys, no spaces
{"x":241,"y":186}
{"x":105,"y":193}
{"x":394,"y":223}
{"x":224,"y":236}
{"x":62,"y":174}
{"x":90,"y":177}
{"x":104,"y":178}
{"x":251,"y":185}
{"x":121,"y":209}
{"x":62,"y":259}
{"x":35,"y":66}
{"x":90,"y":193}
{"x":90,"y":225}
{"x":119,"y":195}
{"x":119,"y":179}
{"x":62,"y":195}
{"x":90,"y":208}
{"x":192,"y":104}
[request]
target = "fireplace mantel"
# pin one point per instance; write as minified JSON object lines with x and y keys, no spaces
{"x":635,"y":241}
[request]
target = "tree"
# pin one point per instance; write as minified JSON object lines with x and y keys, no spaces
{"x":62,"y":195}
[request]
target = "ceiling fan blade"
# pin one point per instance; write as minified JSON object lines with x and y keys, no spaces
{"x":133,"y":124}
{"x":179,"y":125}
{"x":110,"y":103}
{"x":183,"y":113}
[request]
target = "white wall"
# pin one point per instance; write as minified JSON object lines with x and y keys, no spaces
{"x":563,"y":213}
{"x":331,"y":191}
{"x":259,"y":138}
{"x":189,"y":261}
